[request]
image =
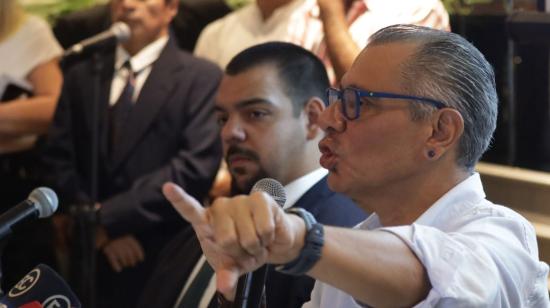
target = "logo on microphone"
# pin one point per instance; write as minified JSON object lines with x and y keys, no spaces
{"x":57,"y":301}
{"x":25,"y":284}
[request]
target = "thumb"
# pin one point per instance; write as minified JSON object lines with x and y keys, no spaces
{"x":226,"y":282}
{"x":188,"y":207}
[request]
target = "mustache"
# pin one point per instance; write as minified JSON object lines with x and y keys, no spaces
{"x":235,"y":150}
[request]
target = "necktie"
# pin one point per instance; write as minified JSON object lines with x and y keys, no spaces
{"x":196,"y":290}
{"x":118,"y":113}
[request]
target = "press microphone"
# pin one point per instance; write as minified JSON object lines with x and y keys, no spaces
{"x":41,"y":203}
{"x":41,"y":286}
{"x":119,"y":32}
{"x":33,"y":304}
{"x":250,"y":285}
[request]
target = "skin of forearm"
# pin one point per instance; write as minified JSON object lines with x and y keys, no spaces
{"x":26,"y":116}
{"x":341,"y":48}
{"x":375,"y":267}
{"x":16,"y":144}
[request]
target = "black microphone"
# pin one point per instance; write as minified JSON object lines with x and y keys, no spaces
{"x":41,"y":203}
{"x":42,"y":285}
{"x":119,"y":32}
{"x":250,"y":285}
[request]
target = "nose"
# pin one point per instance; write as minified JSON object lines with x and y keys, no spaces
{"x":332,"y":120}
{"x":232,"y":131}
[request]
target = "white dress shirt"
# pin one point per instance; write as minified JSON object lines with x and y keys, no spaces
{"x":297,"y":188}
{"x":141,"y":63}
{"x":476,"y":254}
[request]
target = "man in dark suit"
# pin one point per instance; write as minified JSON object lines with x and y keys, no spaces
{"x":267,"y":106}
{"x":156,"y":124}
{"x":192,"y":17}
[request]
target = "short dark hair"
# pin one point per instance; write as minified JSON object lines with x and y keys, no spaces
{"x":302,"y":74}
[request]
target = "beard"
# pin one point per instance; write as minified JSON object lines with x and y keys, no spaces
{"x":244,"y":187}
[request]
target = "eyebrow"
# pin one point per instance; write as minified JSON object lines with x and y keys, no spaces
{"x":247,"y":103}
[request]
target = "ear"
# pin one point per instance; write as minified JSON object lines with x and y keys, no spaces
{"x":447,"y":128}
{"x":173,"y":6}
{"x":312,"y":110}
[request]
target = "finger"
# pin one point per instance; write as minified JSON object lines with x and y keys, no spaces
{"x":122,"y":253}
{"x":225,"y":234}
{"x":138,"y":255}
{"x":251,"y":263}
{"x":263,"y":217}
{"x":189,"y":208}
{"x":226,"y":282}
{"x":246,"y":229}
{"x":112,"y":259}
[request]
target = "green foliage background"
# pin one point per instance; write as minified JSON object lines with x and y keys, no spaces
{"x":50,"y":9}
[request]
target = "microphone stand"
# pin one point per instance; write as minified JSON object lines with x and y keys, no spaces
{"x":86,"y":216}
{"x":243,"y":290}
{"x":250,"y":289}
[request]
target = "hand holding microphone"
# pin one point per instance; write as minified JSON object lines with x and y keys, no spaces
{"x":240,"y":234}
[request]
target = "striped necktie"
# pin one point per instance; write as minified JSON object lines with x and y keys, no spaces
{"x":195,"y":290}
{"x":118,"y":113}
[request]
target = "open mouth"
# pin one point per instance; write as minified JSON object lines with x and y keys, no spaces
{"x":328,"y":158}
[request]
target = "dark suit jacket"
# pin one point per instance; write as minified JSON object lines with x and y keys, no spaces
{"x":179,"y":257}
{"x":170,"y":135}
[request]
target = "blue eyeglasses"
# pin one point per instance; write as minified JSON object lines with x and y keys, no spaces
{"x":351,"y":100}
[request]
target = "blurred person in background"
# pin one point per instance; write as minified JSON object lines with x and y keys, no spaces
{"x":335,"y":30}
{"x":156,"y":124}
{"x":192,"y":17}
{"x":30,"y":84}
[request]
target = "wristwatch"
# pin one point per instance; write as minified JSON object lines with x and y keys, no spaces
{"x":313,"y":244}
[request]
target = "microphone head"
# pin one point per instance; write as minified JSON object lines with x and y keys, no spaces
{"x":271,"y":187}
{"x":44,"y":200}
{"x":121,"y":31}
{"x":42,"y":285}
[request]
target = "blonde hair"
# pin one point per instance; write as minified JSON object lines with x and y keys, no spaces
{"x":11,"y":17}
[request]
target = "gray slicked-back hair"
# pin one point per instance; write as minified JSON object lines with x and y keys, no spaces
{"x":448,"y":68}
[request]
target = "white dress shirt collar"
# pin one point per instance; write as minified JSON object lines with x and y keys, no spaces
{"x":467,"y":193}
{"x":297,"y":188}
{"x":144,"y":58}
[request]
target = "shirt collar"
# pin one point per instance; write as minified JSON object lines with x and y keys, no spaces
{"x":297,"y":188}
{"x":144,"y":58}
{"x":466,"y":194}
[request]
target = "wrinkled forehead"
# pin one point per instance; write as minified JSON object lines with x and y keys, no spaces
{"x":379,"y":67}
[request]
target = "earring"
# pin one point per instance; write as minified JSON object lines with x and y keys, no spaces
{"x":431,"y":153}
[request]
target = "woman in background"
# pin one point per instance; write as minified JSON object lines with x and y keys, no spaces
{"x":30,"y":84}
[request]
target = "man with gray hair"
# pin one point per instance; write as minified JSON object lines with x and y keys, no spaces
{"x":410,"y":120}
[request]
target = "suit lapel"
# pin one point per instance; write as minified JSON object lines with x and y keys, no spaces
{"x":317,"y":192}
{"x":154,"y":94}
